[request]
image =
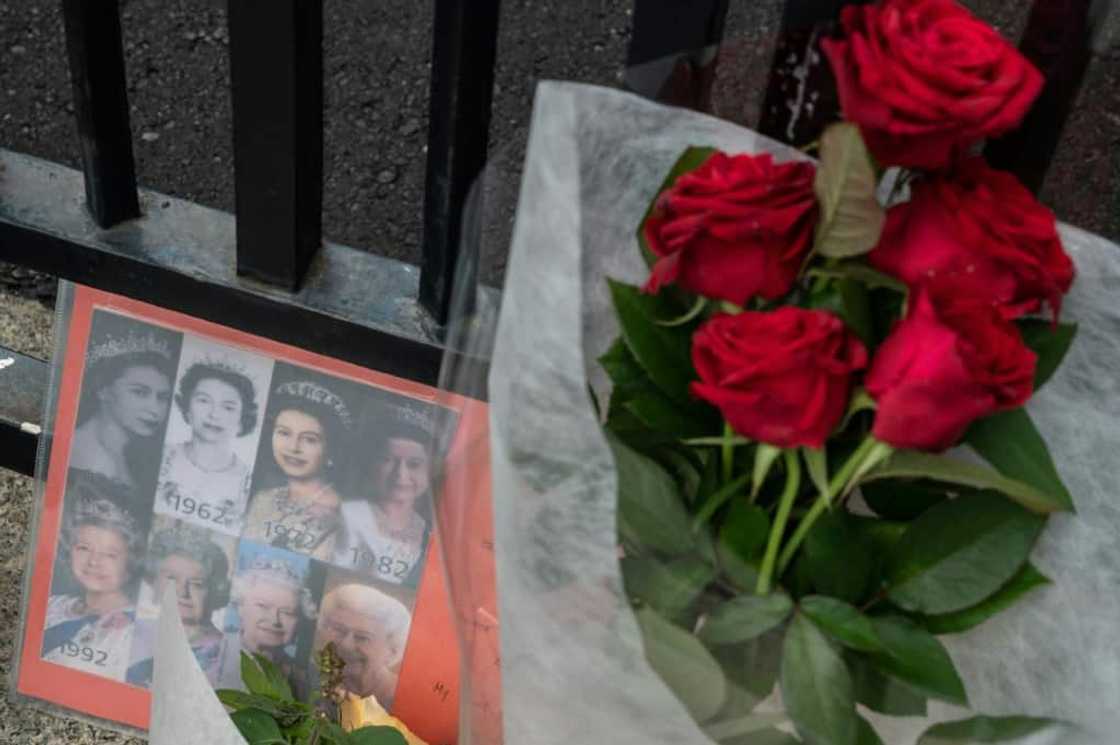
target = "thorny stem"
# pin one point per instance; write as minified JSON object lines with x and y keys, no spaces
{"x":785,"y":504}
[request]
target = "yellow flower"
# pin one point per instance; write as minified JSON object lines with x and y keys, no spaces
{"x":366,"y":712}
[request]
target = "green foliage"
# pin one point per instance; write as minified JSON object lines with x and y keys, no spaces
{"x":881,"y":693}
{"x":902,"y":500}
{"x":960,"y":552}
{"x":262,"y":677}
{"x":838,"y":559}
{"x":744,"y":530}
{"x":685,"y":665}
{"x":1011,"y":443}
{"x":1025,"y":580}
{"x":1050,"y":342}
{"x":651,"y":514}
{"x":375,"y":736}
{"x":816,"y":687}
{"x":983,"y":730}
{"x":842,"y":622}
{"x":913,"y":655}
{"x":745,"y":617}
{"x":663,"y":352}
{"x":670,"y":588}
{"x":257,"y":727}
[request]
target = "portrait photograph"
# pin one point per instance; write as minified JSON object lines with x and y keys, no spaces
{"x":272,"y":608}
{"x":304,"y":462}
{"x":124,"y":400}
{"x":91,"y":612}
{"x":367,"y":623}
{"x":212,"y":435}
{"x":197,"y":565}
{"x":387,"y":508}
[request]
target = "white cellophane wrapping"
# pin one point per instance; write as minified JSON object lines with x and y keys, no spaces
{"x":573,"y":669}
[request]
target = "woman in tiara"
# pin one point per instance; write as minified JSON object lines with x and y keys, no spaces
{"x":202,"y":481}
{"x":125,"y":396}
{"x":385,"y":534}
{"x":102,"y":546}
{"x":309,"y":427}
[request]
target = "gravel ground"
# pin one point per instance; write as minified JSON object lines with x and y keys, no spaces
{"x":376,"y":78}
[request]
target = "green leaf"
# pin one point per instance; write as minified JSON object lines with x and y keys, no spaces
{"x":1049,"y":342}
{"x":838,"y":559}
{"x":650,"y":510}
{"x":880,"y":693}
{"x":744,"y":530}
{"x":764,"y":457}
{"x":960,"y":552}
{"x":664,"y":353}
{"x":816,"y":464}
{"x":861,"y":401}
{"x":752,"y":667}
{"x":623,"y":369}
{"x":914,"y":656}
{"x":851,"y":217}
{"x":263,"y":678}
{"x":238,"y":700}
{"x":669,"y":588}
{"x":1027,"y":579}
{"x":1011,"y":443}
{"x":816,"y":687}
{"x":745,"y":617}
{"x":658,"y":412}
{"x":257,"y":727}
{"x":870,"y":278}
{"x":372,"y":735}
{"x":867,"y":734}
{"x":742,"y":573}
{"x":902,"y":500}
{"x":909,"y":464}
{"x":983,"y":729}
{"x":857,"y":309}
{"x":685,"y":665}
{"x":842,"y":622}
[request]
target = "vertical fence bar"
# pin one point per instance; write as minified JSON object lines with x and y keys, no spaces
{"x":93,"y":44}
{"x":464,"y":48}
{"x":276,"y":76}
{"x":801,"y":98}
{"x":1057,"y":40}
{"x":674,"y":49}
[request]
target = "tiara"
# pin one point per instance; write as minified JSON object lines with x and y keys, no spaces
{"x":276,"y":569}
{"x":318,"y":394}
{"x":223,"y":363}
{"x":89,"y":509}
{"x":422,"y":419}
{"x":134,"y":343}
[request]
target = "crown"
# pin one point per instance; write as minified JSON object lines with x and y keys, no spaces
{"x":134,"y":343}
{"x":91,"y":508}
{"x":314,"y":392}
{"x":276,"y":570}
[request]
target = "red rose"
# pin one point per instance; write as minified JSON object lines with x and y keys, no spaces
{"x":925,"y":79}
{"x":953,"y":359}
{"x":781,"y":377}
{"x":736,"y":227}
{"x":983,"y":224}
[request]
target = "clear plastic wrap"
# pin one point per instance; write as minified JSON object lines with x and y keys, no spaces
{"x":573,"y":666}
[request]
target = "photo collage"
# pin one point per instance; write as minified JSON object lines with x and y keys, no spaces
{"x":285,"y":507}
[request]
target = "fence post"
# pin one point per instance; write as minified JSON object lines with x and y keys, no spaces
{"x":1057,"y":40}
{"x":464,"y":48}
{"x":276,"y":79}
{"x":93,"y":44}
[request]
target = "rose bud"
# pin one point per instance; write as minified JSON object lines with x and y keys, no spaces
{"x":953,"y":359}
{"x":925,"y":79}
{"x":781,"y":377}
{"x":736,"y":227}
{"x":982,"y":223}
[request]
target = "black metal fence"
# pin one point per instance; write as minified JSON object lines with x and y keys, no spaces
{"x":268,"y":271}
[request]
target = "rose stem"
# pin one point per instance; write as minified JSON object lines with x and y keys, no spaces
{"x":869,"y":448}
{"x":728,"y":452}
{"x":785,"y":504}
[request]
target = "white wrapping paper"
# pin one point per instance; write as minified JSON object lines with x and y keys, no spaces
{"x":573,"y":668}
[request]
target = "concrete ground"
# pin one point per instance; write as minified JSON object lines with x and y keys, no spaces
{"x":376,"y":78}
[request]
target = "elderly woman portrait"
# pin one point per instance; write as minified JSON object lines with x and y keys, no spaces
{"x":101,"y":551}
{"x":386,"y":534}
{"x":202,"y":480}
{"x":184,"y":560}
{"x":126,"y":394}
{"x":271,"y":603}
{"x":309,"y":427}
{"x":369,"y":630}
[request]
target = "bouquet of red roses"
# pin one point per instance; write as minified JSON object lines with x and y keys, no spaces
{"x":811,"y":340}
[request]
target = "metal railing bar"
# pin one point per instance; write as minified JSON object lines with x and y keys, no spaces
{"x":93,"y":44}
{"x":464,"y":49}
{"x":276,"y":81}
{"x":23,"y":383}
